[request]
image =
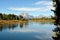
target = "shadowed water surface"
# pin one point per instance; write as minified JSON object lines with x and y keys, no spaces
{"x":27,"y":31}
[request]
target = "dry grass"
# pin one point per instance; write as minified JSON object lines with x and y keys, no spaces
{"x":8,"y":21}
{"x":20,"y":21}
{"x":11,"y":21}
{"x":43,"y":20}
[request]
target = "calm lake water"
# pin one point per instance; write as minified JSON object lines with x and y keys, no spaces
{"x":27,"y":31}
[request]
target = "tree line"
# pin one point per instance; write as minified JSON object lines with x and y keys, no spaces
{"x":11,"y":17}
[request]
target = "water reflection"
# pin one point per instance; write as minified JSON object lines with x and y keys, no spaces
{"x":56,"y":31}
{"x":26,"y":30}
{"x":12,"y":26}
{"x":23,"y":24}
{"x":7,"y":26}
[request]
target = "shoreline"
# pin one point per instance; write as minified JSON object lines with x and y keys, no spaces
{"x":20,"y":21}
{"x":43,"y":20}
{"x":11,"y":21}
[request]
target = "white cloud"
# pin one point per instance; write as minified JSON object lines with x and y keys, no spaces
{"x":25,"y":9}
{"x":31,"y":9}
{"x":49,"y":3}
{"x":47,"y":6}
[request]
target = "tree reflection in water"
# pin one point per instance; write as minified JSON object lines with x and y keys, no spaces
{"x":56,"y":31}
{"x":7,"y":26}
{"x":12,"y":26}
{"x":24,"y":24}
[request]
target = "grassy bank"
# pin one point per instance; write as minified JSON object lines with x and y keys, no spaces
{"x":11,"y":21}
{"x":43,"y":20}
{"x":20,"y":21}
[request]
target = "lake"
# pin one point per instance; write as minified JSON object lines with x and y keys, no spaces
{"x":27,"y":31}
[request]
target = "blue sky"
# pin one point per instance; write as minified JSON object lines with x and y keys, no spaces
{"x":33,"y":7}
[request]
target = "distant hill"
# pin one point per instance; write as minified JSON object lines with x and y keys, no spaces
{"x":41,"y":16}
{"x":26,"y":15}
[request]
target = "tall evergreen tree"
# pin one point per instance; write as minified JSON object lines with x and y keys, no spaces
{"x":57,"y":10}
